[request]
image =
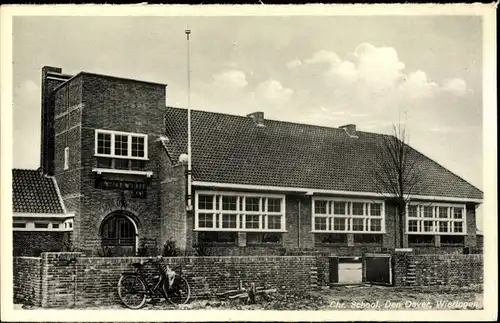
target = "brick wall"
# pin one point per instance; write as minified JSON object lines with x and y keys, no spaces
{"x":437,"y":269}
{"x":32,"y":243}
{"x":71,"y":280}
{"x":27,"y":280}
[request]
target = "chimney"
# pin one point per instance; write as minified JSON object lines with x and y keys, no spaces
{"x":51,"y":78}
{"x":350,"y":129}
{"x":258,"y":117}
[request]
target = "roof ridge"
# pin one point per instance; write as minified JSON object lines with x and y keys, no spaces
{"x":273,"y":120}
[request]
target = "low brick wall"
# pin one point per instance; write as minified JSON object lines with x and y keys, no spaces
{"x":71,"y":280}
{"x":27,"y":280}
{"x":433,"y":269}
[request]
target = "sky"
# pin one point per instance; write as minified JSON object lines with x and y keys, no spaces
{"x":372,"y":71}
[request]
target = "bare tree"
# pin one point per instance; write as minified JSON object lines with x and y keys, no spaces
{"x":396,"y":173}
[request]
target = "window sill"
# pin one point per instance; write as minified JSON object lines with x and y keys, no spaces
{"x":238,"y":230}
{"x":100,"y":171}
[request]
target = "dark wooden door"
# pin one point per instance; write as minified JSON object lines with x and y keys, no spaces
{"x":333,"y":263}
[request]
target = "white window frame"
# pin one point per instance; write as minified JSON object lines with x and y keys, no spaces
{"x":330,"y":216}
{"x":218,"y":212}
{"x":66,"y":158}
{"x":436,"y":219}
{"x":129,"y":148}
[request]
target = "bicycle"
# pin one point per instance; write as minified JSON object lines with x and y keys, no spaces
{"x":133,"y":288}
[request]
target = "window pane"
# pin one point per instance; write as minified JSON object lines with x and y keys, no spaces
{"x":413,"y":211}
{"x":252,"y":204}
{"x":205,"y":202}
{"x":339,"y":208}
{"x":375,"y":225}
{"x":274,"y":222}
{"x":428,"y":226}
{"x":252,"y":221}
{"x":427,"y":212}
{"x":319,"y":223}
{"x":138,"y":146}
{"x":443,"y":226}
{"x":413,"y":226}
{"x":320,"y":207}
{"x":39,"y":225}
{"x":229,"y":203}
{"x":229,"y":221}
{"x":357,"y":225}
{"x":19,"y":225}
{"x":375,"y":209}
{"x":357,"y":208}
{"x":443,"y":212}
{"x":104,"y":143}
{"x":457,"y":227}
{"x":339,"y":224}
{"x":205,"y":220}
{"x":217,"y":236}
{"x":121,"y":145}
{"x":273,"y":205}
{"x":457,"y":213}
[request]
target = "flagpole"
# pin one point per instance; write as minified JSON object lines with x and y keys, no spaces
{"x":189,"y":179}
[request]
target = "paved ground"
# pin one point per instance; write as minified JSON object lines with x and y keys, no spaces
{"x":347,"y":298}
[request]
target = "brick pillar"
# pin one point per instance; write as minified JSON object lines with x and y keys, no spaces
{"x":437,"y":240}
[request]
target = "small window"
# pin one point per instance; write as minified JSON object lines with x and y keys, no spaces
{"x":121,"y":145}
{"x":375,"y":225}
{"x":218,"y":237}
{"x":358,"y":225}
{"x":205,"y":202}
{"x":413,"y":226}
{"x":70,"y":224}
{"x":229,"y":221}
{"x":274,"y":222}
{"x":339,"y":224}
{"x":19,"y":225}
{"x":427,"y":212}
{"x":331,"y":238}
{"x":56,"y":225}
{"x":339,"y":208}
{"x":368,"y":238}
{"x":41,"y":225}
{"x":375,"y":209}
{"x":320,"y":223}
{"x":457,"y":213}
{"x":229,"y":203}
{"x":205,"y":220}
{"x":420,"y":239}
{"x":413,"y":211}
{"x":452,"y":240}
{"x":357,"y":208}
{"x":66,"y":158}
{"x":104,"y":143}
{"x":273,"y":205}
{"x":263,"y":237}
{"x":252,"y":204}
{"x":252,"y":221}
{"x":443,"y":212}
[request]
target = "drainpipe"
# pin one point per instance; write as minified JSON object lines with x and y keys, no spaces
{"x":298,"y":231}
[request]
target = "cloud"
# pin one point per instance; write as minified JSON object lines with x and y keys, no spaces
{"x":231,"y":80}
{"x":417,"y":85}
{"x":323,"y":56}
{"x":294,"y":64}
{"x":456,"y":86}
{"x":272,"y":90}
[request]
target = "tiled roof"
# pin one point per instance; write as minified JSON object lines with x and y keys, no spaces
{"x":232,"y":149}
{"x":34,"y":193}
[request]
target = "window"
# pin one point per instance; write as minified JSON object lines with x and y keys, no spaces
{"x":452,"y":240}
{"x":357,"y":216}
{"x":41,"y":225}
{"x":263,"y":237}
{"x":439,"y":219}
{"x":420,"y":239}
{"x":19,"y":225}
{"x":368,"y":238}
{"x":226,"y":211}
{"x":120,"y":144}
{"x":218,"y":237}
{"x":56,"y":225}
{"x":328,"y":238}
{"x":66,"y":158}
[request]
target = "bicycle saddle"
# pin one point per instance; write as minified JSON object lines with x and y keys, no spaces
{"x":138,"y":265}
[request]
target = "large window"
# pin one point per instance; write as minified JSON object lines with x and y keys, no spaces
{"x":348,"y":216}
{"x":116,"y":144}
{"x":225,"y":211}
{"x":442,"y":219}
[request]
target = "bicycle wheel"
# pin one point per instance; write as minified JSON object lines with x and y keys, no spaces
{"x":132,"y":291}
{"x":179,"y":292}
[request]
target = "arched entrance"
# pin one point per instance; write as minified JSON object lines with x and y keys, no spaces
{"x":119,"y":234}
